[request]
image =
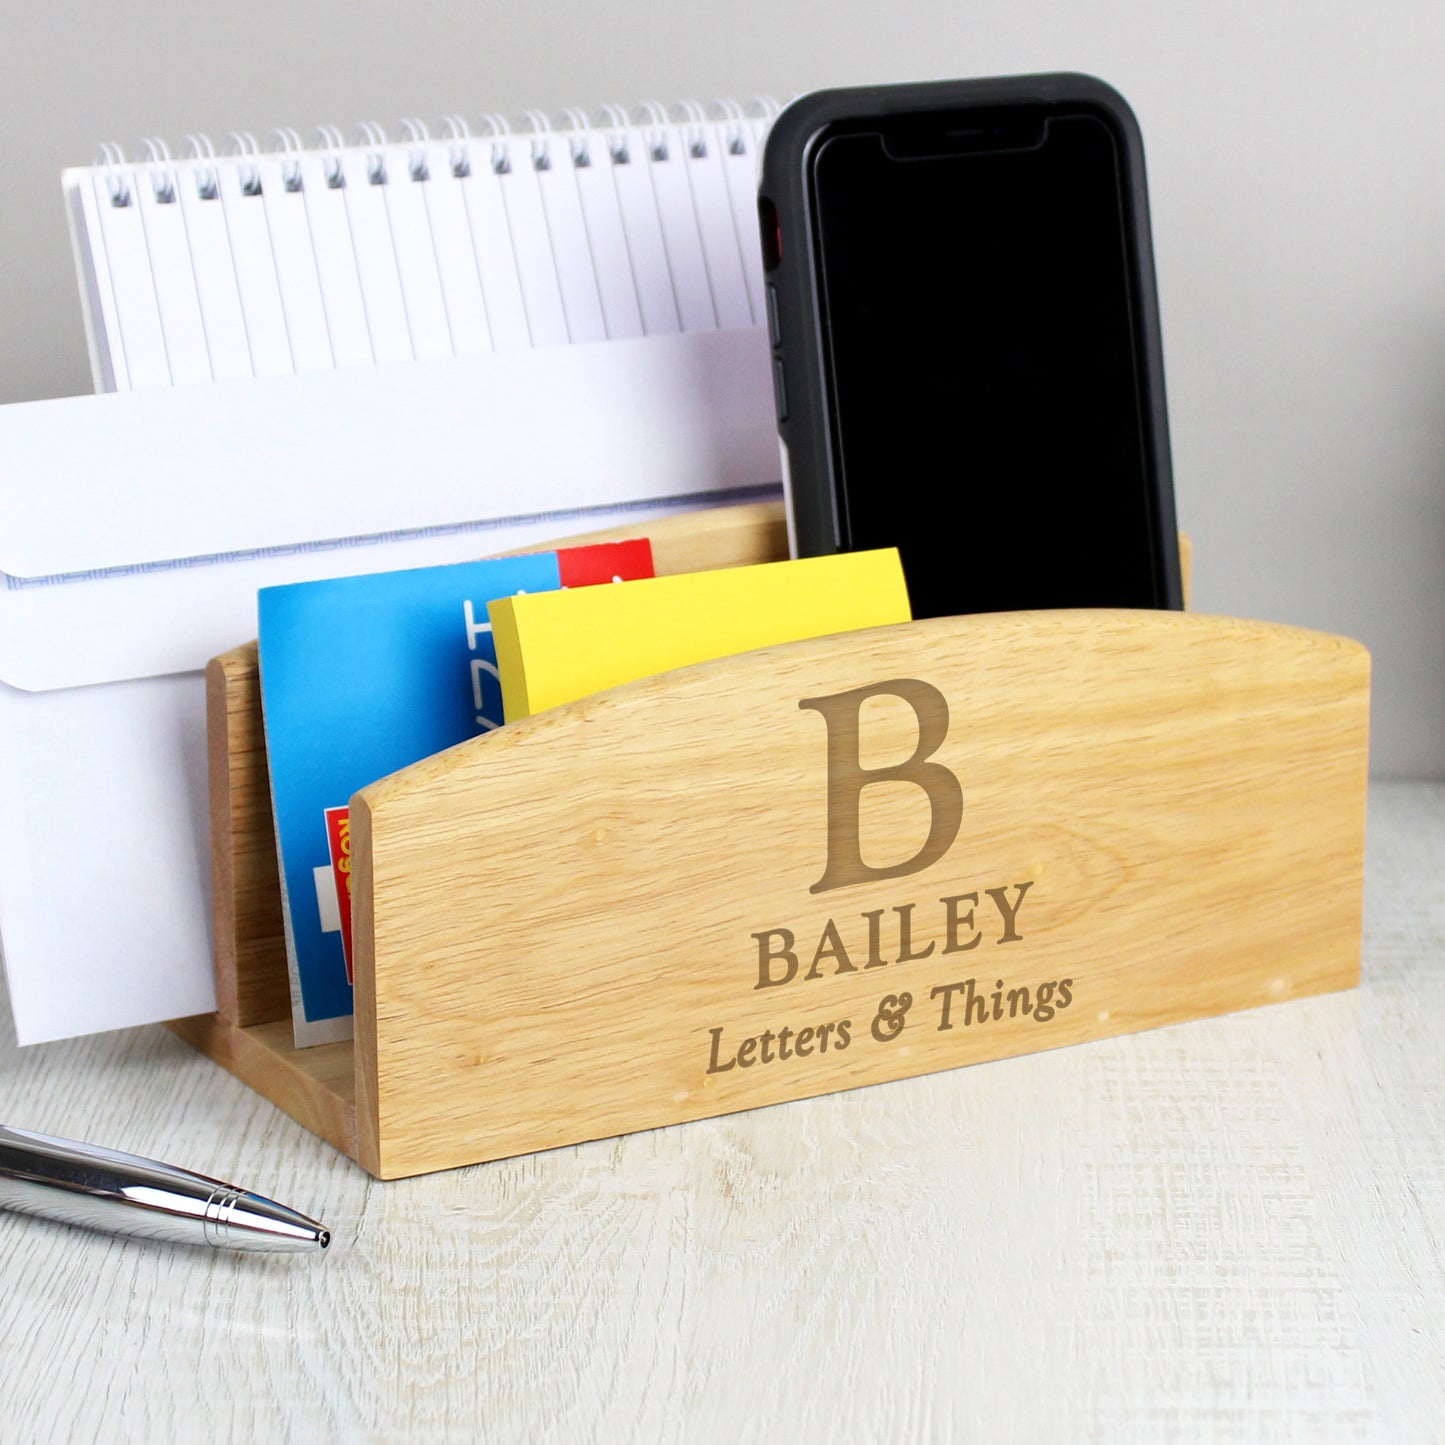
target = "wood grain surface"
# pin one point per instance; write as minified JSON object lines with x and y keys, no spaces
{"x":1225,"y":1231}
{"x":248,"y":930}
{"x":639,"y":908}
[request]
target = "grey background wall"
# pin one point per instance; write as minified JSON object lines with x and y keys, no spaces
{"x":1297,"y":169}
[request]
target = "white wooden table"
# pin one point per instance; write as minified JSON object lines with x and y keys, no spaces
{"x":1229,"y":1230}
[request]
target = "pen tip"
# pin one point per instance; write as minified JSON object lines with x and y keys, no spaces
{"x":323,"y":1238}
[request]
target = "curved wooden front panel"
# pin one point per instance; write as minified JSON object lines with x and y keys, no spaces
{"x":851,"y":860}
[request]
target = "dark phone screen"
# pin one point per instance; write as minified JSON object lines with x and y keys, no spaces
{"x":988,"y":409}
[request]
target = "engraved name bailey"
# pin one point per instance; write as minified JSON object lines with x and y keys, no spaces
{"x":900,"y":933}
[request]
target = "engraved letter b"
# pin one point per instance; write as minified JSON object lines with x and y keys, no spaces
{"x":847,"y":779}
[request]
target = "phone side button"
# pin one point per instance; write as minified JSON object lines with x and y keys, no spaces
{"x":780,"y":391}
{"x":775,"y":330}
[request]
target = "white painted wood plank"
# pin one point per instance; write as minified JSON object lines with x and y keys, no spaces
{"x":1229,"y":1230}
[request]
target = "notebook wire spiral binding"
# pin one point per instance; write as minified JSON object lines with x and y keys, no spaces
{"x":259,"y":258}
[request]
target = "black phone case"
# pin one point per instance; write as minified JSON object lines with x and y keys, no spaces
{"x":789,"y":243}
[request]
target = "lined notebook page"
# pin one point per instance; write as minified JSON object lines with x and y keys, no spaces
{"x":289,"y":255}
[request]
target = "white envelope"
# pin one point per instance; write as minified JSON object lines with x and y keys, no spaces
{"x":136,"y":528}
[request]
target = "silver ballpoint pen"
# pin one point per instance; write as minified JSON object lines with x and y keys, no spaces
{"x":125,"y":1194}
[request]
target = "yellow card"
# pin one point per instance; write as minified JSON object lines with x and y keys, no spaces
{"x":554,"y":647}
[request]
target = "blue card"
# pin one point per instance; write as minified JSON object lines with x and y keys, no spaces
{"x":362,"y":676}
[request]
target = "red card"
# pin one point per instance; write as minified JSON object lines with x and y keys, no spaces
{"x":605,"y":562}
{"x":338,"y":837}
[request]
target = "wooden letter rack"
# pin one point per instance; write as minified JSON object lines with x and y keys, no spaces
{"x":804,"y":869}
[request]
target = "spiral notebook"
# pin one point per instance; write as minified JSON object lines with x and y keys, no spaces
{"x":262,"y":259}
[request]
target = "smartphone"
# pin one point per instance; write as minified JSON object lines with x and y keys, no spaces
{"x":966,"y":346}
